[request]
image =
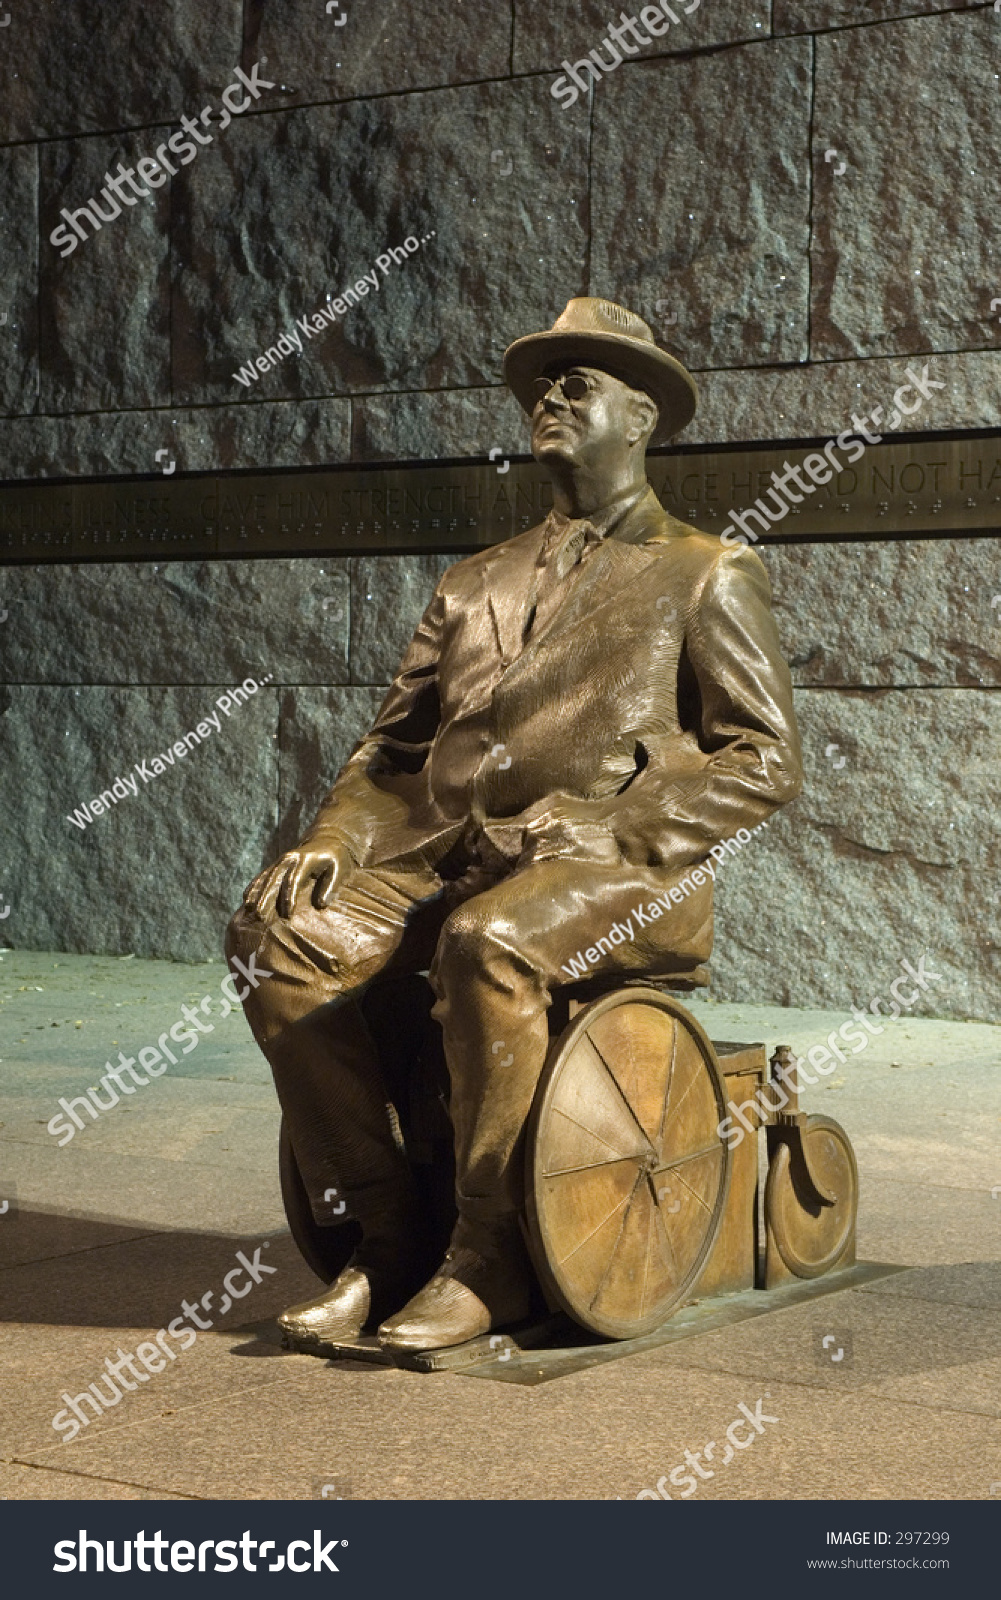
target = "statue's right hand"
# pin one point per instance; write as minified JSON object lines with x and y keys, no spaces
{"x":322,"y":865}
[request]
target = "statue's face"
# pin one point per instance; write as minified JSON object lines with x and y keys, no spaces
{"x":583,"y":417}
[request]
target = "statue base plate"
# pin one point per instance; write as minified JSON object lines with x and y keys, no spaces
{"x":553,"y":1346}
{"x":498,"y":1348}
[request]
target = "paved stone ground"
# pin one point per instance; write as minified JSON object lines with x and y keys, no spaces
{"x":146,"y":1207}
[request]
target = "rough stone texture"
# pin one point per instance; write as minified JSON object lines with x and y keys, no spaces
{"x":159,"y":874}
{"x":817,"y":400}
{"x":388,"y":598}
{"x":814,"y":400}
{"x":305,"y":225}
{"x":545,"y":35}
{"x":757,"y":403}
{"x":207,"y":439}
{"x":176,"y":622}
{"x":237,"y":221}
{"x":813,"y":16}
{"x":727,"y":259}
{"x":908,"y":613}
{"x":18,"y":273}
{"x":104,"y":339}
{"x":900,"y":614}
{"x":457,"y":422}
{"x":891,"y":856}
{"x":903,"y":255}
{"x":319,"y":730}
{"x":358,"y":50}
{"x":740,"y":405}
{"x":87,"y":67}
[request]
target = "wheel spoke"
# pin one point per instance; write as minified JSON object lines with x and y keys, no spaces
{"x":668,"y":1086}
{"x":667,"y":1240}
{"x":615,"y":1156}
{"x":587,"y":1166}
{"x":622,"y":1205}
{"x":625,"y":1102}
{"x":676,"y":1108}
{"x":696,"y":1155}
{"x":611,"y":1258}
{"x":693,"y":1194}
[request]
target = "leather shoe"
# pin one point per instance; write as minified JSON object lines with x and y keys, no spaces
{"x":485,"y":1281}
{"x":339,"y":1313}
{"x":391,"y":1260}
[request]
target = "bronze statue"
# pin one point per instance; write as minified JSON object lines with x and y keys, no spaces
{"x":584,"y":712}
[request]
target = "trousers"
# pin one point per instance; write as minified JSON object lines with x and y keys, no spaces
{"x":493,"y":960}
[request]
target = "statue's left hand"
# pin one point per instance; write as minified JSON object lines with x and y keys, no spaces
{"x":279,"y":886}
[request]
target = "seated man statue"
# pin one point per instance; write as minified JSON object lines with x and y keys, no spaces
{"x":584,"y":712}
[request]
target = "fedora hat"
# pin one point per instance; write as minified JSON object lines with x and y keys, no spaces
{"x":602,"y":334}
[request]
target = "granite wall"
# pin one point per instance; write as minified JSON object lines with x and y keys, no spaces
{"x":692,"y":184}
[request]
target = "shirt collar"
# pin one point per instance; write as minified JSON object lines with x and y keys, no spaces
{"x":599,"y":525}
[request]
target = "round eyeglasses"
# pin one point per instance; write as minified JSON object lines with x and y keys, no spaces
{"x":574,"y":386}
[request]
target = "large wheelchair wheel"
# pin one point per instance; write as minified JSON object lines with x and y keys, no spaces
{"x":626,"y":1174}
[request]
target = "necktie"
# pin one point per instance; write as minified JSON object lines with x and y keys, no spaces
{"x":557,"y":561}
{"x":566,"y":555}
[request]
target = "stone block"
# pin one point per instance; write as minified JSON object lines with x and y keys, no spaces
{"x":18,"y":278}
{"x":569,"y":29}
{"x":318,"y":730}
{"x":816,"y":400}
{"x":304,"y":433}
{"x":701,"y":217}
{"x":814,"y":16}
{"x":176,"y":622}
{"x":902,"y":252}
{"x":347,"y":52}
{"x":160,"y":872}
{"x":104,"y":309}
{"x":389,"y":595}
{"x":496,"y":252}
{"x":447,"y":422}
{"x":891,"y":856}
{"x":900,"y":613}
{"x":84,"y":69}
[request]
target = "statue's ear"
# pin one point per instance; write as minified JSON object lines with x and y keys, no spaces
{"x":646,"y":414}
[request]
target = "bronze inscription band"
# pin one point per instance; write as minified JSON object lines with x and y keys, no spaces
{"x":896,"y":489}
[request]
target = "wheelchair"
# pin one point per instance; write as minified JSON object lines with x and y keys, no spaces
{"x":635,"y":1203}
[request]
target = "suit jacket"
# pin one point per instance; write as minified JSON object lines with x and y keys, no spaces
{"x":649,"y":719}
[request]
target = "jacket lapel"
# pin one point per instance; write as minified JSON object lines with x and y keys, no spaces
{"x":509,"y":578}
{"x":509,"y":573}
{"x":619,"y":561}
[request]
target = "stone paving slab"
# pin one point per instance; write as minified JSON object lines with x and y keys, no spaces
{"x":68,"y":1314}
{"x":43,"y":1483}
{"x":971,"y":1283}
{"x":596,"y":1435}
{"x":894,"y":1347}
{"x":926,"y":1225}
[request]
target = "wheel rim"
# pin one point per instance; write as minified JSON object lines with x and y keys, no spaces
{"x":811,"y":1238}
{"x":627,"y":1174}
